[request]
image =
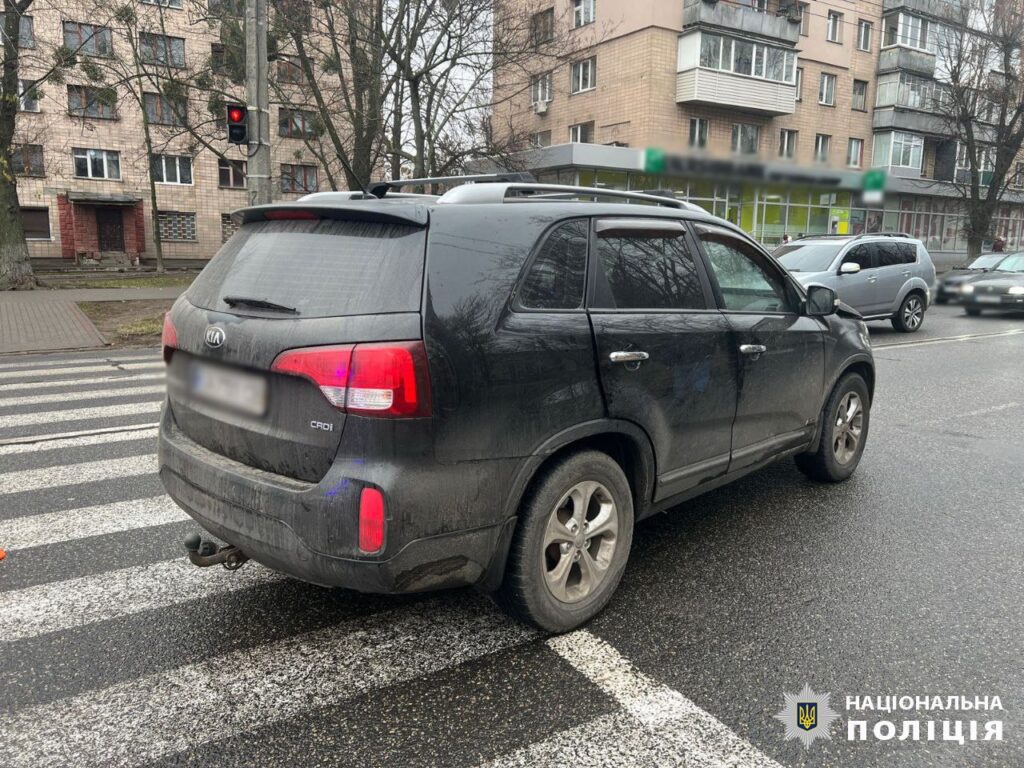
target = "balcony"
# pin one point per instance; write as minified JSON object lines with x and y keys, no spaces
{"x":749,"y":94}
{"x":936,"y":9}
{"x":908,"y":60}
{"x":740,"y":20}
{"x":915,"y":121}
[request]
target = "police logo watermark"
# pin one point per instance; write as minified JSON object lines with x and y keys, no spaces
{"x":807,"y":715}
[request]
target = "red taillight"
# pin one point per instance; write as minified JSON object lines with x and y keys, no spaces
{"x":371,"y":521}
{"x":386,"y":379}
{"x":289,"y":215}
{"x":168,"y":338}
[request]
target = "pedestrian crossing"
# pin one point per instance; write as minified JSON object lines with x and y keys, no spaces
{"x":109,"y":662}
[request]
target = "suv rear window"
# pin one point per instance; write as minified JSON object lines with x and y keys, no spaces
{"x":322,"y":268}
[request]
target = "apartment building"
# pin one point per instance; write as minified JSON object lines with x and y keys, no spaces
{"x":81,"y":158}
{"x":766,"y":112}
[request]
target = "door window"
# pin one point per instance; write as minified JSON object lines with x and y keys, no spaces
{"x":746,"y":282}
{"x":895,"y":254}
{"x":556,"y":277}
{"x":647,"y":268}
{"x":862,"y":255}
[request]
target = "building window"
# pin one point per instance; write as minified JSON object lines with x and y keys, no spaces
{"x":27,"y":160}
{"x":745,"y":138}
{"x":84,"y":101}
{"x":582,"y":133}
{"x":28,"y":96}
{"x":855,"y":153}
{"x":228,"y":227}
{"x":36,"y":223}
{"x":218,"y":59}
{"x":171,"y":169}
{"x":864,"y":29}
{"x":827,"y":90}
{"x":26,"y":31}
{"x":908,"y":30}
{"x":232,"y":8}
{"x":176,"y":226}
{"x":542,"y":27}
{"x":296,"y":124}
{"x":540,"y":88}
{"x":822,"y":145}
{"x":231,"y":174}
{"x":163,"y":110}
{"x":834,"y":27}
{"x":799,"y":83}
{"x":1018,"y":175}
{"x":163,"y":3}
{"x":859,"y":101}
{"x":907,"y":150}
{"x":96,"y":164}
{"x":747,"y":58}
{"x":88,"y":39}
{"x":162,"y":50}
{"x":583,"y":74}
{"x":541,"y":139}
{"x":805,"y":18}
{"x":582,"y":12}
{"x":699,"y":132}
{"x":787,"y":143}
{"x":290,"y":71}
{"x":298,"y":178}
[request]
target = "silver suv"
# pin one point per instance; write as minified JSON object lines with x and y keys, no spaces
{"x":882,"y":276}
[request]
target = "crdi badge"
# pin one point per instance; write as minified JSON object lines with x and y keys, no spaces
{"x":807,"y":715}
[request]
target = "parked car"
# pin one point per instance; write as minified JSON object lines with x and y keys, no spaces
{"x":949,"y":286}
{"x":1001,"y":288}
{"x":489,"y":389}
{"x":884,"y":277}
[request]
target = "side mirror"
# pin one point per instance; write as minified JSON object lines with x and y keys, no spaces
{"x":849,"y":268}
{"x":821,"y":301}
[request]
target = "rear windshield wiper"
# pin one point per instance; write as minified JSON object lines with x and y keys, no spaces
{"x":259,"y":304}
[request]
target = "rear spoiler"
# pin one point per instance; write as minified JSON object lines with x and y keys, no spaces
{"x":413,"y":214}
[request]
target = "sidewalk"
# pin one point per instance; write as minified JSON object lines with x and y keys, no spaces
{"x":50,"y":320}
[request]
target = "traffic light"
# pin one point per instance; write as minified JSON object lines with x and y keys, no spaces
{"x":238,"y":124}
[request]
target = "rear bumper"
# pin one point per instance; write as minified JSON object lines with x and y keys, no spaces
{"x":1005,"y":301}
{"x":305,"y":530}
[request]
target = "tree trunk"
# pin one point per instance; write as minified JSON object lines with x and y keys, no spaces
{"x":974,"y":247}
{"x":15,"y":268}
{"x":157,"y":242}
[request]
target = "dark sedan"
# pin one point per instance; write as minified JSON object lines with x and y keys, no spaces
{"x":949,"y":286}
{"x":1002,"y":288}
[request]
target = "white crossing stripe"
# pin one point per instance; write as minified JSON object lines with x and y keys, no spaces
{"x":57,"y":440}
{"x":77,"y":385}
{"x":69,"y":524}
{"x":70,"y":474}
{"x":73,"y":395}
{"x":62,"y":605}
{"x":139,"y":721}
{"x":77,"y":414}
{"x":79,"y":362}
{"x":677,"y":730}
{"x":68,"y":371}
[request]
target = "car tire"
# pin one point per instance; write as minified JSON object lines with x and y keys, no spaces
{"x":972,"y":311}
{"x":834,"y":461}
{"x":576,"y":489}
{"x":910,"y":315}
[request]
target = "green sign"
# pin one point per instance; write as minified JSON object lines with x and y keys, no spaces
{"x":654,"y":161}
{"x":874,"y":180}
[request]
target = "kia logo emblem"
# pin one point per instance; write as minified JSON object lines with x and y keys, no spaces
{"x":215,"y":336}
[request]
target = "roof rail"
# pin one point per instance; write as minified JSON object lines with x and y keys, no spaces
{"x":380,"y":188}
{"x":500,"y":193}
{"x":343,"y":196}
{"x":853,"y":237}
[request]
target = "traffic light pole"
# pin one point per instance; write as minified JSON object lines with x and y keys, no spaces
{"x":258,"y":99}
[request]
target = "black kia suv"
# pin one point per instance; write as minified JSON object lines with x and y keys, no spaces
{"x":491,"y":387}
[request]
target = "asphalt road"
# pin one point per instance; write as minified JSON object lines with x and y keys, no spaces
{"x":906,"y":580}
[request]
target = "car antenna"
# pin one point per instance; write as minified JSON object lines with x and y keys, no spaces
{"x":348,"y":168}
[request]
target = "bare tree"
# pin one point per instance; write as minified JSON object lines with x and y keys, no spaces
{"x":980,"y":103}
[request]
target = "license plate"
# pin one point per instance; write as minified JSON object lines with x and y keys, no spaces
{"x":238,"y":390}
{"x":989,"y":299}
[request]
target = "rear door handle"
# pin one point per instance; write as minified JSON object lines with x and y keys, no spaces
{"x":754,"y":350}
{"x":628,"y":357}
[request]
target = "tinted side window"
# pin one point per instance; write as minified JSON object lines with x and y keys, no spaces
{"x":894,"y":254}
{"x":650,"y":272}
{"x":556,"y":277}
{"x":746,"y":283}
{"x":861,"y":254}
{"x":908,"y":253}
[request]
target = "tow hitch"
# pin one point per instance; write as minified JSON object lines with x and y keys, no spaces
{"x":207,"y":553}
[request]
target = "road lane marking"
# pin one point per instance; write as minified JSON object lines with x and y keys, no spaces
{"x":30,"y":373}
{"x":71,"y":474}
{"x":82,"y":385}
{"x":102,"y":519}
{"x":60,"y":440}
{"x":81,"y":362}
{"x":680,"y":725}
{"x":63,"y":605}
{"x":948,"y":339}
{"x":139,"y":721}
{"x":96,"y":394}
{"x":79,"y":414}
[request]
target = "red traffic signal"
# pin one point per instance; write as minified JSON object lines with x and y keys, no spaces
{"x":238,"y":124}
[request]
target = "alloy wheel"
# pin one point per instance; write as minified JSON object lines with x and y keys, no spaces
{"x":579,"y":541}
{"x":913,"y":313}
{"x":849,"y":427}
